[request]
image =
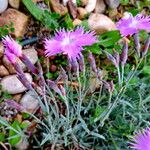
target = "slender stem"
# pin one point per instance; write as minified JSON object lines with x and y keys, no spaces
{"x":109,"y":100}
{"x":100,"y":93}
{"x":119,"y":77}
{"x":80,"y":93}
{"x":137,"y":44}
{"x":122,"y":74}
{"x":119,"y":95}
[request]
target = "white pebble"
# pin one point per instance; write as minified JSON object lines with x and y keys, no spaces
{"x":65,"y":2}
{"x":3,"y":5}
{"x":91,"y":5}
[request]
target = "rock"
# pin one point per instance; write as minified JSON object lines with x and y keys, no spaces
{"x":17,"y":97}
{"x":100,"y":23}
{"x":18,"y":19}
{"x":12,"y":85}
{"x":23,"y":144}
{"x":84,"y":2}
{"x":94,"y":83}
{"x":113,"y":13}
{"x":14,"y":3}
{"x":82,"y":12}
{"x":3,"y":5}
{"x":1,"y":49}
{"x":65,"y":2}
{"x":58,"y":8}
{"x":90,"y":6}
{"x":29,"y":101}
{"x":112,"y":3}
{"x":72,"y":9}
{"x":36,"y":1}
{"x":3,"y":71}
{"x":31,"y":53}
{"x":77,"y":22}
{"x":100,"y":6}
{"x":8,"y":65}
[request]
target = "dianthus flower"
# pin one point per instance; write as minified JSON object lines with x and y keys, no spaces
{"x":130,"y":25}
{"x":69,"y":42}
{"x":12,"y":46}
{"x":11,"y":57}
{"x":141,"y":141}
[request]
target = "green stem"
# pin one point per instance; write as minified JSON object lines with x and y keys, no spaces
{"x":109,"y":100}
{"x":119,"y":95}
{"x":122,"y":74}
{"x":119,"y":78}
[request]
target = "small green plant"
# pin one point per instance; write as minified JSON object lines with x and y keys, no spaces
{"x":85,"y":108}
{"x":6,"y":29}
{"x":47,"y":18}
{"x":15,"y":132}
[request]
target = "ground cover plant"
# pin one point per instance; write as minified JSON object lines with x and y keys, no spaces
{"x":99,"y":98}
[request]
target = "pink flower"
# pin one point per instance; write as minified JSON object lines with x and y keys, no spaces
{"x":69,"y":42}
{"x":12,"y":46}
{"x":141,"y":141}
{"x":11,"y":57}
{"x":130,"y":25}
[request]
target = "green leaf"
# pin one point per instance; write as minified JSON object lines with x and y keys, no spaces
{"x":124,"y":2}
{"x":33,"y":9}
{"x":109,"y":39}
{"x":85,"y":25}
{"x":98,"y":111}
{"x":25,"y":115}
{"x":146,"y":70}
{"x":2,"y":137}
{"x":6,"y":95}
{"x":50,"y":20}
{"x":24,"y":124}
{"x":14,"y":138}
{"x":94,"y":49}
{"x":47,"y":18}
{"x":67,"y":23}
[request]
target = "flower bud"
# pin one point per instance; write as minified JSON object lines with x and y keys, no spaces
{"x":124,"y":54}
{"x":29,"y":64}
{"x":146,"y":47}
{"x":92,"y":62}
{"x":81,"y":62}
{"x":137,"y":43}
{"x":54,"y":86}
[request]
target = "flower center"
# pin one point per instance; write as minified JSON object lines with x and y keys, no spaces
{"x":66,"y":41}
{"x":134,"y":23}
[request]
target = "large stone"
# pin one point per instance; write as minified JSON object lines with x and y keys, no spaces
{"x":1,"y":49}
{"x":58,"y":7}
{"x":12,"y":85}
{"x":100,"y":23}
{"x":36,"y":1}
{"x":72,"y":9}
{"x":81,"y":12}
{"x":29,"y":101}
{"x":18,"y":19}
{"x":3,"y":71}
{"x":3,"y":5}
{"x":100,"y":6}
{"x":77,"y":22}
{"x":14,"y":3}
{"x":66,"y":1}
{"x":23,"y":144}
{"x":84,"y":2}
{"x":112,"y":3}
{"x":31,"y":53}
{"x":17,"y":97}
{"x":90,"y":6}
